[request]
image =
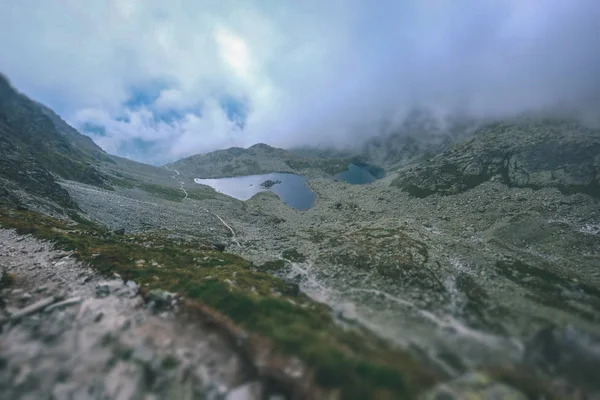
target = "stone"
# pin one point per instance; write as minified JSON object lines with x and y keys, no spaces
{"x":32,"y":309}
{"x":132,"y":285}
{"x":62,"y":304}
{"x":247,"y":391}
{"x":41,"y":289}
{"x":25,"y":297}
{"x":346,"y":312}
{"x":160,"y":297}
{"x":219,"y":246}
{"x":143,"y":353}
{"x":63,"y":391}
{"x":107,"y":288}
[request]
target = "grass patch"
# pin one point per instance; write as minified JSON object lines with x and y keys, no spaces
{"x":294,"y":255}
{"x":273,"y":266}
{"x":169,"y":362}
{"x":7,"y":280}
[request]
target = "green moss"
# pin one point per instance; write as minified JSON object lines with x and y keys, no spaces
{"x":390,"y":252}
{"x":294,"y":255}
{"x":316,"y":236}
{"x":353,"y":361}
{"x":272,"y":266}
{"x":7,"y":280}
{"x":169,"y":362}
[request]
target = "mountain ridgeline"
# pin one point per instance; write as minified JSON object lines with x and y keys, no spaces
{"x":36,"y":145}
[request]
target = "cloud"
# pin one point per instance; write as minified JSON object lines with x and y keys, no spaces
{"x":158,"y":80}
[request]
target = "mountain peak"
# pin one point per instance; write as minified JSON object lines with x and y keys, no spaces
{"x":261,"y":146}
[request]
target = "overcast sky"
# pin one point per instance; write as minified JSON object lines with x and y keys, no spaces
{"x":157,"y":80}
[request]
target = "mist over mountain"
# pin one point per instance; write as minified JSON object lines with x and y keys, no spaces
{"x":156,"y":81}
{"x":429,"y":230}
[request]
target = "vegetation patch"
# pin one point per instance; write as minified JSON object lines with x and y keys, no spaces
{"x":390,"y":252}
{"x":354,"y":363}
{"x":6,"y":280}
{"x":272,"y":266}
{"x":294,"y":255}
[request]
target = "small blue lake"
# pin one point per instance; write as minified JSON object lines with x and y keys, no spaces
{"x":291,"y":188}
{"x":360,"y":174}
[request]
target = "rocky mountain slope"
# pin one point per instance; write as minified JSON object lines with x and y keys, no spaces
{"x":472,"y":272}
{"x":420,"y":136}
{"x":535,"y":154}
{"x":257,"y":159}
{"x":36,"y":146}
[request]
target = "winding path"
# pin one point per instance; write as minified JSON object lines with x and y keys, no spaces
{"x":228,"y":227}
{"x":181,"y":183}
{"x":182,"y":188}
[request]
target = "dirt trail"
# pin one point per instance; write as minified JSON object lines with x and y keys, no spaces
{"x":68,"y":333}
{"x":182,"y":188}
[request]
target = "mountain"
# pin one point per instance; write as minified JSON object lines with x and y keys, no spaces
{"x":257,"y":159}
{"x":470,"y":270}
{"x":36,"y":146}
{"x":531,"y":153}
{"x":420,"y":136}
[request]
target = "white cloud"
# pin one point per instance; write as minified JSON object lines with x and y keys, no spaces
{"x":306,"y":72}
{"x":234,"y":52}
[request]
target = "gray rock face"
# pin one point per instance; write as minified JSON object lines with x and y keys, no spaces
{"x":533,"y":154}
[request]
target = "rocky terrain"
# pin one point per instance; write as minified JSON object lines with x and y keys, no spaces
{"x":471,"y":270}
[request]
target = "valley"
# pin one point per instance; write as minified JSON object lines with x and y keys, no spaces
{"x":449,"y":275}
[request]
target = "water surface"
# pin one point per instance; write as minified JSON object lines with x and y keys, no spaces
{"x":292,"y":190}
{"x":356,"y":175}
